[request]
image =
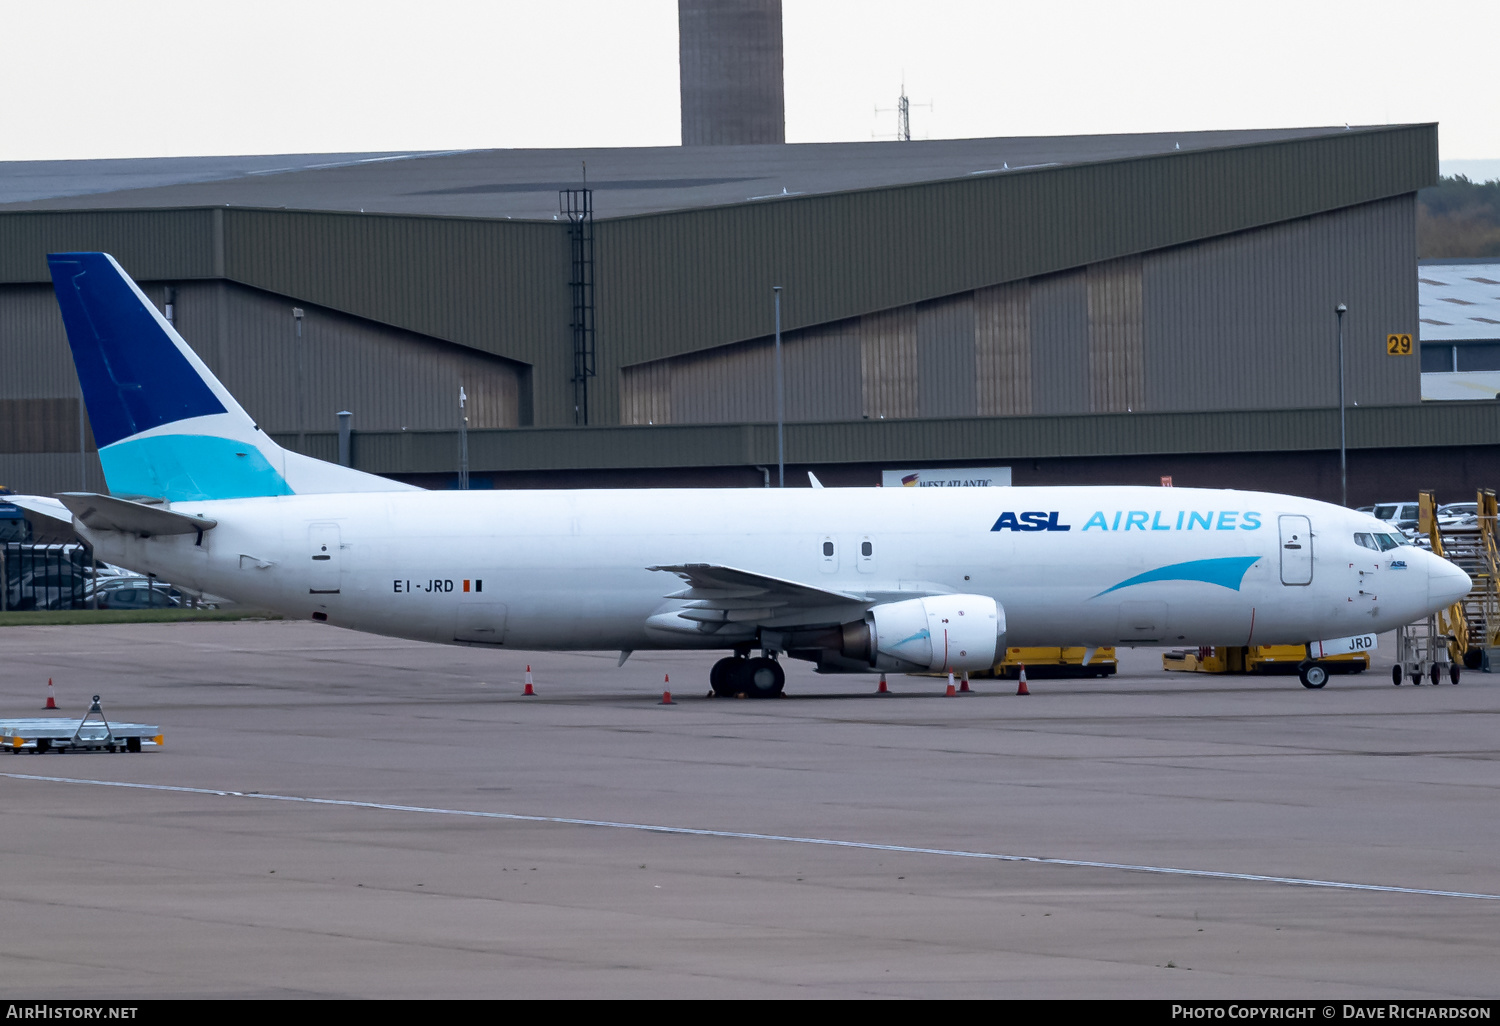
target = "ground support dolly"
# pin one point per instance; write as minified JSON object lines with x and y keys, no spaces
{"x":1423,"y":654}
{"x":56,"y":734}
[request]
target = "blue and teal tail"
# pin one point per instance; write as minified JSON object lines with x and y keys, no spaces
{"x":166,"y":428}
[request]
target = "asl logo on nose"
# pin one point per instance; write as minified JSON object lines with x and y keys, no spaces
{"x":1033,"y":520}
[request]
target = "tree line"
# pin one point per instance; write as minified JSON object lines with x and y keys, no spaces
{"x":1459,"y":218}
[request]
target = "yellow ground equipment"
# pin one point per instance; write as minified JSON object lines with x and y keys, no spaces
{"x":1264,"y":659}
{"x":1056,"y":662}
{"x":1452,"y":624}
{"x":1470,"y":627}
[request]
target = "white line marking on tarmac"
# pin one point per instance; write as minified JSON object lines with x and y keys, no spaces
{"x":1209,"y":874}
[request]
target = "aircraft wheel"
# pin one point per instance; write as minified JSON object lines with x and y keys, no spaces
{"x":1436,"y":676}
{"x":761,"y":678}
{"x":723,"y":677}
{"x":1396,"y":675}
{"x":1453,"y":672}
{"x":1314,"y":676}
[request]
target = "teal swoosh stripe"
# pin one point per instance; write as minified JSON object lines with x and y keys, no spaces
{"x":189,"y":467}
{"x":921,"y":634}
{"x":1226,"y":572}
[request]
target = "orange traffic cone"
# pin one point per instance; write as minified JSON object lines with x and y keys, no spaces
{"x":1022,"y":689}
{"x":51,"y":702}
{"x":951,"y":690}
{"x":666,"y":695}
{"x":528,"y":690}
{"x":882,"y":690}
{"x":963,"y":689}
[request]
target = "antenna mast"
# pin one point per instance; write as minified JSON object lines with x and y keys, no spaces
{"x":903,"y":113}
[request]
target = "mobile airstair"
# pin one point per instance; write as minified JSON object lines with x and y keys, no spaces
{"x":1467,"y":633}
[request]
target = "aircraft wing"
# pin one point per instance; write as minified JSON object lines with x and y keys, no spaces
{"x":107,"y":513}
{"x":725,"y":595}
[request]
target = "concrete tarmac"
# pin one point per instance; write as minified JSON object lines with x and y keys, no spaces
{"x":141,"y":892}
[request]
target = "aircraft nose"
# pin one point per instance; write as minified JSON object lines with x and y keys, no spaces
{"x":1446,"y":583}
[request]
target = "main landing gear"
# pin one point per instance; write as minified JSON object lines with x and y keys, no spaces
{"x":761,"y":677}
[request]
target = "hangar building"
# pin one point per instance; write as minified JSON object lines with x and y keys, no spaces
{"x":1105,"y":309}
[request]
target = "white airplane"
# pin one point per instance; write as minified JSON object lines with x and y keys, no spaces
{"x":854,"y":579}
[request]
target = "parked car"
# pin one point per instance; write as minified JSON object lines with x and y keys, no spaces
{"x":133,"y":593}
{"x":1401,"y":515}
{"x":1456,"y":514}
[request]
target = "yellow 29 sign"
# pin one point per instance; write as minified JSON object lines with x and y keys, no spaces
{"x":1398,"y":345}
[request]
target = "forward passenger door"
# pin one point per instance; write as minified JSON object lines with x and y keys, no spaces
{"x":1296,"y":550}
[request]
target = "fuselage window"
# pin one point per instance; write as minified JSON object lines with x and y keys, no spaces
{"x":828,"y":548}
{"x":1368,"y":541}
{"x":866,"y":549}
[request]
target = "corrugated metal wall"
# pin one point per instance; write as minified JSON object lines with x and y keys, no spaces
{"x":692,"y":281}
{"x":1002,"y":349}
{"x":159,"y":244}
{"x":390,"y":379}
{"x":499,"y":287}
{"x":1248,"y":320}
{"x":921,"y":441}
{"x":888,"y":364}
{"x":40,"y":425}
{"x":945,"y":357}
{"x":47,"y":473}
{"x":34,"y":358}
{"x":1243,"y":322}
{"x":1115,"y":336}
{"x":820,"y":369}
{"x":1060,"y":343}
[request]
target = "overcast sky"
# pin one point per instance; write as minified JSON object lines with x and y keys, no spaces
{"x":166,"y":77}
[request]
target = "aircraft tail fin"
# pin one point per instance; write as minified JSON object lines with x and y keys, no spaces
{"x":165,"y":426}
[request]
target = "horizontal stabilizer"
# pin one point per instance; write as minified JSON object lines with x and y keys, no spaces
{"x":42,"y":506}
{"x":107,"y":513}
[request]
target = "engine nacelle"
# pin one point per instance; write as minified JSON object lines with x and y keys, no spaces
{"x":936,"y":633}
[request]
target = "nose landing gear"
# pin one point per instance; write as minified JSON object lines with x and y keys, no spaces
{"x":1312,"y":675}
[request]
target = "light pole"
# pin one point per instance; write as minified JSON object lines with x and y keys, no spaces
{"x":1341,"y":309}
{"x":780,"y":404}
{"x":301,"y":384}
{"x":463,"y":441}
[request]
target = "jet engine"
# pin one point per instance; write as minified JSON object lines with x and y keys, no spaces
{"x":936,"y":633}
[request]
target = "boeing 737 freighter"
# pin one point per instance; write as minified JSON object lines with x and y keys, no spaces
{"x":853,"y":579}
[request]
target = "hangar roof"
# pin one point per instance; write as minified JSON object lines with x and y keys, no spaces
{"x":1459,"y":300}
{"x":523,"y":184}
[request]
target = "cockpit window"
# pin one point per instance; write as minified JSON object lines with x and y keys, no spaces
{"x":1388,"y":541}
{"x":1366,"y":540}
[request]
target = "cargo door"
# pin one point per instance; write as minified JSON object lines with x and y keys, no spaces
{"x":1296,"y":550}
{"x":323,"y":543}
{"x":1142,"y":623}
{"x":480,"y":622}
